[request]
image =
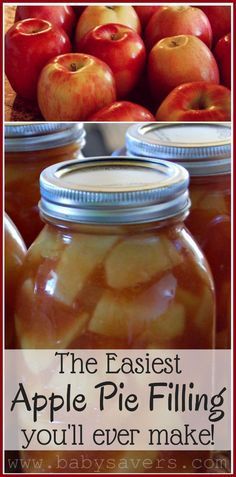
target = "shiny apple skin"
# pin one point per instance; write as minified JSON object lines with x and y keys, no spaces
{"x":145,"y":13}
{"x":220,"y":20}
{"x":177,"y":60}
{"x":26,"y":53}
{"x":61,"y":16}
{"x":121,"y":48}
{"x":94,"y":16}
{"x":222,"y":54}
{"x":181,"y":20}
{"x":198,"y":101}
{"x":72,"y":87}
{"x":123,"y":111}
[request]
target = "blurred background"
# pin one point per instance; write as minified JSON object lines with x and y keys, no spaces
{"x":104,"y":138}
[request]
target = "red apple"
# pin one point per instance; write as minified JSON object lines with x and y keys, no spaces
{"x":29,"y":45}
{"x":177,"y":60}
{"x":198,"y":101}
{"x":61,"y":16}
{"x":93,"y":16}
{"x":223,"y":57}
{"x":220,"y":20}
{"x":123,"y":111}
{"x":72,"y":87}
{"x":145,"y":12}
{"x":173,"y":21}
{"x":121,"y":48}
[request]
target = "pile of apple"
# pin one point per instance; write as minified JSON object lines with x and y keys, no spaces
{"x":122,"y":63}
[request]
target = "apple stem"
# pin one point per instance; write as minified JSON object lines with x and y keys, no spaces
{"x":73,"y":67}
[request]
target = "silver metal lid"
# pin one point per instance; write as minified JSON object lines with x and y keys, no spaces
{"x":38,"y":136}
{"x":203,"y":148}
{"x":113,"y":191}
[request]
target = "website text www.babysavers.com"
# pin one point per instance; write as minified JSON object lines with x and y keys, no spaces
{"x":216,"y":464}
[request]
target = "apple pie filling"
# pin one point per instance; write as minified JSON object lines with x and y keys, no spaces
{"x":15,"y":251}
{"x":114,"y":269}
{"x":28,"y":152}
{"x":209,"y":222}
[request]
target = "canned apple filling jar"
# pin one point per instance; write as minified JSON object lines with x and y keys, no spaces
{"x":29,"y":149}
{"x":205,"y":150}
{"x":15,"y":251}
{"x":115,"y":268}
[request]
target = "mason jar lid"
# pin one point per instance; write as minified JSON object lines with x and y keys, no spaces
{"x":114,"y":191}
{"x":203,"y":148}
{"x":38,"y":136}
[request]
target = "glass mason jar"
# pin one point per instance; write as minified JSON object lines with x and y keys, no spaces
{"x":29,"y":149}
{"x":15,"y":251}
{"x":115,"y":268}
{"x":205,"y":151}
